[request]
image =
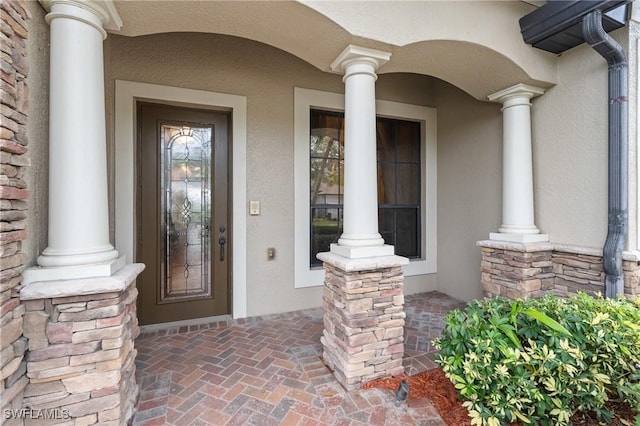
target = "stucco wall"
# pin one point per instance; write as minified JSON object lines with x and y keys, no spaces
{"x":469,"y":187}
{"x":569,"y":153}
{"x":570,"y":150}
{"x":267,"y":77}
{"x":37,"y":132}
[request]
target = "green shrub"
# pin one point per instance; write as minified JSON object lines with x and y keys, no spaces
{"x":541,"y":360}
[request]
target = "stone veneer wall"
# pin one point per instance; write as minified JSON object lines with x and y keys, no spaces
{"x":532,"y":270}
{"x":363,"y":337}
{"x":13,"y":195}
{"x":81,"y":356}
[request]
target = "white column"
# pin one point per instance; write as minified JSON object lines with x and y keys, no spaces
{"x":78,"y":239}
{"x":518,"y":223}
{"x":360,"y":236}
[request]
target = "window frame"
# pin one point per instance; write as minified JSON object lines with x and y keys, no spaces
{"x":307,"y":99}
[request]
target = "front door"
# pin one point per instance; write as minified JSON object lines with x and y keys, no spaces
{"x":183,"y":226}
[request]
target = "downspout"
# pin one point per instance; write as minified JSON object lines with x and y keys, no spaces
{"x":609,"y":49}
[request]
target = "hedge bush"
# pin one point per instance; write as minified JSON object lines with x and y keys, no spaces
{"x":539,"y":361}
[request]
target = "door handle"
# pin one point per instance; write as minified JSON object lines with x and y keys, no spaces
{"x":222,"y":241}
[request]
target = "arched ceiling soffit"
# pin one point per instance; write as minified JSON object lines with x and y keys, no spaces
{"x":286,"y":25}
{"x":475,"y":45}
{"x":476,"y":69}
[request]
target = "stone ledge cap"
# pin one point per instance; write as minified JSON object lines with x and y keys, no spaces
{"x":585,"y":250}
{"x":80,"y":287}
{"x":630,"y":255}
{"x":523,"y":247}
{"x":363,"y":264}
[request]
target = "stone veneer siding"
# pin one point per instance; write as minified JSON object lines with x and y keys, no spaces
{"x":13,"y":196}
{"x":516,"y":270}
{"x":81,"y":356}
{"x":80,"y":363}
{"x":363,"y":337}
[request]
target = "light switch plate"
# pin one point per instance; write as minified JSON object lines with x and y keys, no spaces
{"x":254,"y":208}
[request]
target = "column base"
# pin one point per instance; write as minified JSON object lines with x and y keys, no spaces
{"x":56,"y":273}
{"x":59,"y":257}
{"x":519,"y":238}
{"x":362,"y":252}
{"x":516,"y":271}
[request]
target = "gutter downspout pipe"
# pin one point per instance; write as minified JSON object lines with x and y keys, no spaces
{"x":610,"y":50}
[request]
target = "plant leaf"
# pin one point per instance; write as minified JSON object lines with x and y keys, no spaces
{"x":509,"y":332}
{"x":548,"y":321}
{"x":521,"y":416}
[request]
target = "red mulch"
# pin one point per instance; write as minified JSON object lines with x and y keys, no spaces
{"x":434,"y":386}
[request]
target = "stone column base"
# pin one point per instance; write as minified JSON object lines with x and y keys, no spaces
{"x":516,"y":270}
{"x":80,"y":362}
{"x":363,"y":300}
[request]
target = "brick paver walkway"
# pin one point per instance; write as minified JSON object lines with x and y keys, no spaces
{"x":267,"y":371}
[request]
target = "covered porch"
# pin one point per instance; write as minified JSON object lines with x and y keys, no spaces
{"x":488,"y":110}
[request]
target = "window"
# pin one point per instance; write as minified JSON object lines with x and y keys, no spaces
{"x":326,"y":172}
{"x":399,"y":185}
{"x":406,"y":147}
{"x":399,"y":176}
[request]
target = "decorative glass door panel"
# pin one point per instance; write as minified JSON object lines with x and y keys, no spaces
{"x":186,"y":211}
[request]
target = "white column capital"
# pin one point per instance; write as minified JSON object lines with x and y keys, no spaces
{"x":100,"y":14}
{"x":360,"y":60}
{"x":520,"y":94}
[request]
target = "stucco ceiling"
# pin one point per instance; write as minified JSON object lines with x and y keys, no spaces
{"x":473,"y":45}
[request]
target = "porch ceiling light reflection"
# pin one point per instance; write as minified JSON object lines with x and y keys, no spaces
{"x":186,"y":131}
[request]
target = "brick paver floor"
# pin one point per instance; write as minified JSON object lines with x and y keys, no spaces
{"x":268,"y":371}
